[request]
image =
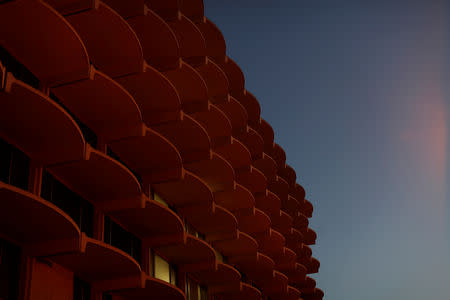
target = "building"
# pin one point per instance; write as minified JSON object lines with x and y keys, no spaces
{"x":135,"y":165}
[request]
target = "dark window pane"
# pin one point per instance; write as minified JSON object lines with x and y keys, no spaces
{"x":9,"y":270}
{"x":81,"y":289}
{"x":118,"y":237}
{"x":80,"y":210}
{"x":15,"y":166}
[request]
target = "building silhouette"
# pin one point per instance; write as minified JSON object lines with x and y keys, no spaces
{"x":135,"y":164}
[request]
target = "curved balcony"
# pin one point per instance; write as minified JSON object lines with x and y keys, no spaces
{"x":150,"y":155}
{"x":216,"y":124}
{"x":294,"y":238}
{"x":125,"y":9}
{"x":235,"y":76}
{"x":297,"y":274}
{"x":190,"y":256}
{"x":216,"y":81}
{"x":309,"y":237}
{"x":253,"y":141}
{"x":102,"y":265}
{"x":313,"y":266}
{"x":65,"y":7}
{"x":152,"y":289}
{"x":158,"y":41}
{"x":270,"y":242}
{"x":259,"y":267}
{"x":288,"y":174}
{"x":236,"y":154}
{"x":243,"y":245}
{"x":266,"y":132}
{"x":317,"y":294}
{"x":183,"y":134}
{"x":253,"y":179}
{"x":290,"y":294}
{"x":278,"y":154}
{"x":103,"y":105}
{"x":252,"y":106}
{"x":190,"y":86}
{"x":243,"y":291}
{"x":168,"y":10}
{"x":292,"y":206}
{"x":112,"y":44}
{"x":236,"y":113}
{"x":193,"y":9}
{"x":268,"y":202}
{"x":282,"y":222}
{"x":284,"y":259}
{"x":36,"y":124}
{"x":307,"y":208}
{"x":239,"y":198}
{"x":154,"y":223}
{"x":217,"y":223}
{"x":307,"y":286}
{"x":267,"y":165}
{"x":53,"y":63}
{"x":97,"y":176}
{"x":298,"y":192}
{"x":191,"y":41}
{"x":189,"y":191}
{"x":276,"y":285}
{"x":215,"y":171}
{"x":300,"y":222}
{"x":214,"y":40}
{"x":281,"y":188}
{"x":221,"y":275}
{"x":155,"y":95}
{"x":255,"y":223}
{"x":21,"y":215}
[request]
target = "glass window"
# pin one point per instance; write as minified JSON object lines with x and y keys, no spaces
{"x":117,"y":236}
{"x":14,"y":166}
{"x":81,"y":289}
{"x":80,"y":210}
{"x":202,"y":292}
{"x":163,"y":270}
{"x":9,"y":270}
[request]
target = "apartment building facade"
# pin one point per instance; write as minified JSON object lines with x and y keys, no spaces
{"x":135,"y":164}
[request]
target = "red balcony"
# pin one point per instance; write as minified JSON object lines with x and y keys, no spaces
{"x":255,"y":223}
{"x":216,"y":81}
{"x":251,"y":105}
{"x":268,"y":202}
{"x":243,"y":291}
{"x":192,"y":255}
{"x":282,"y":222}
{"x":234,"y":74}
{"x":222,"y":275}
{"x":267,"y":165}
{"x":288,"y":174}
{"x":278,"y":154}
{"x":168,"y":10}
{"x":103,"y":105}
{"x":236,"y":113}
{"x":214,"y":40}
{"x":152,"y":289}
{"x":253,"y":141}
{"x":111,"y":43}
{"x":52,"y":62}
{"x":270,"y":242}
{"x":257,"y":268}
{"x":253,"y":179}
{"x":266,"y":132}
{"x":102,"y":265}
{"x":236,"y":154}
{"x":150,"y":155}
{"x":37,"y":225}
{"x":238,"y":198}
{"x":153,"y":222}
{"x":281,"y":188}
{"x":296,"y":274}
{"x":243,"y":245}
{"x":39,"y":126}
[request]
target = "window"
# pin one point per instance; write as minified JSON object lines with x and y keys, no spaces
{"x":117,"y":236}
{"x":219,"y":256}
{"x":192,"y":231}
{"x":9,"y":270}
{"x":80,"y":210}
{"x":14,"y":166}
{"x":163,"y":270}
{"x":81,"y":289}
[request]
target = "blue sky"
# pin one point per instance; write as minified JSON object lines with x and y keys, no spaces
{"x":357,"y":94}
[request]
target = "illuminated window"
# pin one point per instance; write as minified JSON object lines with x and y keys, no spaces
{"x":202,"y":293}
{"x":219,"y":256}
{"x":192,"y":231}
{"x":158,"y":199}
{"x":163,"y":270}
{"x":80,"y":210}
{"x":14,"y":166}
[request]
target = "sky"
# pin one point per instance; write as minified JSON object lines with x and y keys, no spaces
{"x":357,"y":94}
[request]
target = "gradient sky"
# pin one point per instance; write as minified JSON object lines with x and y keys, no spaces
{"x":357,"y":94}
